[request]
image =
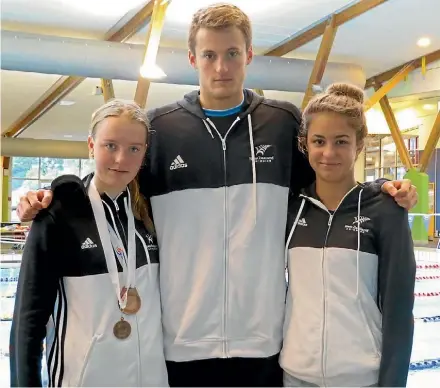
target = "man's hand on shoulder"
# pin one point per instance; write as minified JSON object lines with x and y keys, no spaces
{"x":31,"y":204}
{"x":403,"y":192}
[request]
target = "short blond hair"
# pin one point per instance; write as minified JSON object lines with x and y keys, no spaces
{"x":341,"y":98}
{"x":131,"y":110}
{"x":220,"y":16}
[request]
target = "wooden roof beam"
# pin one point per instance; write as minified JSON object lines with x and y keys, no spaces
{"x":107,"y":89}
{"x":321,"y":59}
{"x":391,"y":84}
{"x":151,"y":47}
{"x":385,"y":76}
{"x":395,"y":131}
{"x":65,"y":85}
{"x":433,"y":139}
{"x":315,"y":30}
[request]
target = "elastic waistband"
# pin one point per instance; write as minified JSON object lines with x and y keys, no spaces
{"x":200,"y":350}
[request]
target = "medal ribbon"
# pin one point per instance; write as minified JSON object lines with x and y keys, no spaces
{"x":111,"y":243}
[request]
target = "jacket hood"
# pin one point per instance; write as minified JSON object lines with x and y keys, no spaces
{"x":191,"y":103}
{"x":369,"y":192}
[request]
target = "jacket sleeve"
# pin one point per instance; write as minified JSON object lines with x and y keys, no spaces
{"x":397,"y":269}
{"x":34,"y":302}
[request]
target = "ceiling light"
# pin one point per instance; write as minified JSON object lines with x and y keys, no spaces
{"x":68,"y":136}
{"x":424,"y":42}
{"x":429,"y":107}
{"x":66,"y":102}
{"x":152,"y":72}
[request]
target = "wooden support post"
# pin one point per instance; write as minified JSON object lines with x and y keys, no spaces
{"x":321,"y":59}
{"x":433,"y":139}
{"x":390,"y":85}
{"x":151,"y":48}
{"x":395,"y":131}
{"x":107,"y":89}
{"x":5,"y":200}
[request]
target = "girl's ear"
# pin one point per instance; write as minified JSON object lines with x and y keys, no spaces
{"x":91,"y":146}
{"x":359,"y":148}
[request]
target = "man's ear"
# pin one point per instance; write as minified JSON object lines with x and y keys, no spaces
{"x":249,"y":55}
{"x":192,"y":59}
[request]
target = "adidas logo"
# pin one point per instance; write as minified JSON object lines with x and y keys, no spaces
{"x":88,"y":243}
{"x":302,"y":222}
{"x":178,"y":163}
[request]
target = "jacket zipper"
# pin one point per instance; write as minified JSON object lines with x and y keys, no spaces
{"x":324,"y":307}
{"x":225,"y":243}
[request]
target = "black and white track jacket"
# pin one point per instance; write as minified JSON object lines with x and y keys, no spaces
{"x":220,"y":207}
{"x":349,"y":318}
{"x":66,"y":295}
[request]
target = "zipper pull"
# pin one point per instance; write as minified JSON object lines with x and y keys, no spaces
{"x":224,"y":144}
{"x":116,"y":205}
{"x":330,"y":219}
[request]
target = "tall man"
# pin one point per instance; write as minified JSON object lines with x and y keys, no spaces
{"x":220,"y":167}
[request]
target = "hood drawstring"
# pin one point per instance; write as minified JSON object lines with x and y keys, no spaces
{"x":359,"y":242}
{"x":254,"y":170}
{"x":208,"y":124}
{"x":208,"y":128}
{"x":298,"y":215}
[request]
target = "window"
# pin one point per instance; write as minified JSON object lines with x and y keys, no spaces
{"x":382,"y":158}
{"x":34,"y":173}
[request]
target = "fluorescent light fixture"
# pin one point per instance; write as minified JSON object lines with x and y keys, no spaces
{"x":424,"y":42}
{"x":149,"y":68}
{"x":152,"y":72}
{"x":66,"y":102}
{"x":429,"y":107}
{"x":68,"y":136}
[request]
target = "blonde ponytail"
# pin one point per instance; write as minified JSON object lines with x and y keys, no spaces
{"x":140,"y":206}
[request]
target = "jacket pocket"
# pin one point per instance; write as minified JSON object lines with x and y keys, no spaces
{"x":87,"y":357}
{"x":372,"y":332}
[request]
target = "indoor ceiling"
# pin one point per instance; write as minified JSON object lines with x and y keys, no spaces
{"x":378,"y":40}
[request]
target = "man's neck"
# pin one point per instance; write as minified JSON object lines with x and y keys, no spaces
{"x":207,"y":102}
{"x":331,"y":194}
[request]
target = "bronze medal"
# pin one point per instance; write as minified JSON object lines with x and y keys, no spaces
{"x":122,"y":329}
{"x":133,"y":301}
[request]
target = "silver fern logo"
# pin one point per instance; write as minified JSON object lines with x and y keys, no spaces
{"x":260,"y":150}
{"x":360,"y":220}
{"x":260,"y":154}
{"x":356,"y":225}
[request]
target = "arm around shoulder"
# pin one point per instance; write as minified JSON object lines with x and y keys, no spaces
{"x":397,"y":270}
{"x":35,"y":299}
